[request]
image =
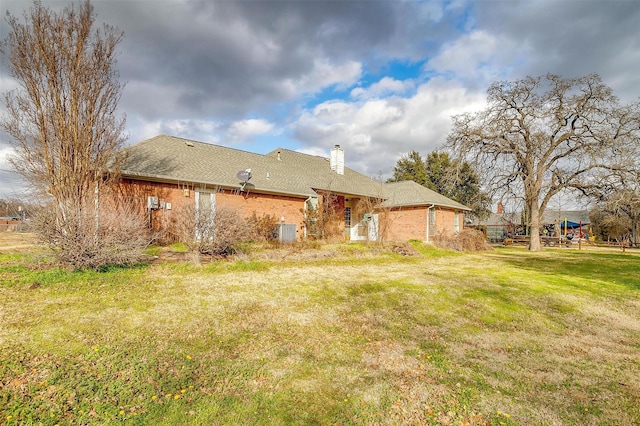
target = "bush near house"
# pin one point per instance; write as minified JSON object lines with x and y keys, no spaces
{"x":467,"y":240}
{"x":94,"y":239}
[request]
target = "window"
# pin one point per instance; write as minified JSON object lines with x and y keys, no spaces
{"x":205,"y":208}
{"x":347,"y":217}
{"x":205,"y":202}
{"x":456,"y":222}
{"x":432,"y":219}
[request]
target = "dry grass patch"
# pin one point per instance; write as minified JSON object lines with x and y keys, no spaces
{"x":386,"y":339}
{"x":16,"y":240}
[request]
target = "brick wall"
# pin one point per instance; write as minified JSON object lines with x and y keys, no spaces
{"x":280,"y":206}
{"x":410,"y":223}
{"x":181,"y":195}
{"x":445,"y":221}
{"x":406,"y":224}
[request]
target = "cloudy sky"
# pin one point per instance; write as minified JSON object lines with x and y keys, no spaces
{"x":380,"y":78}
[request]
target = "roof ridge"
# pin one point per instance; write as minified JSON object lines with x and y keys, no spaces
{"x":280,"y":149}
{"x":207,"y":144}
{"x":402,"y":181}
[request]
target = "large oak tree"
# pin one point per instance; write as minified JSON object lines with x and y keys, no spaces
{"x":539,"y":136}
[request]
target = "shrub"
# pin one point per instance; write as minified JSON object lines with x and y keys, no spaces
{"x":216,"y":232}
{"x":467,"y":240}
{"x":90,"y":240}
{"x":404,"y":249}
{"x":323,"y":222}
{"x":229,"y":229}
{"x":263,"y":228}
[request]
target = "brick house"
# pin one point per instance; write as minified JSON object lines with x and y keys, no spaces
{"x":164,"y":174}
{"x":416,"y":212}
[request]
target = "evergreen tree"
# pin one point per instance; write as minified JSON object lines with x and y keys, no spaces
{"x":411,"y":167}
{"x":458,"y":181}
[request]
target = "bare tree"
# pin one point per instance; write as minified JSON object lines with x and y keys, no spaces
{"x":539,"y":136}
{"x":62,"y":118}
{"x":617,"y":203}
{"x":617,"y":193}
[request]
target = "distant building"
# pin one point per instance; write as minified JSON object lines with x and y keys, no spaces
{"x":500,"y":225}
{"x":10,"y":224}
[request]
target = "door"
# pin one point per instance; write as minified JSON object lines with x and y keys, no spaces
{"x":205,"y":214}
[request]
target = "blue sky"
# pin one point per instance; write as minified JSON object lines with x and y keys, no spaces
{"x":380,"y":78}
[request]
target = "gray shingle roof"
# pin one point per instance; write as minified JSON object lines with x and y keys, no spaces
{"x":175,"y":159}
{"x":316,"y":172}
{"x":409,"y":193}
{"x":282,"y":171}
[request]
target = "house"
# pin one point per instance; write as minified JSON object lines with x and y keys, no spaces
{"x":498,"y":226}
{"x":10,"y":224}
{"x":501,"y":224}
{"x":416,"y":212}
{"x":165,"y":173}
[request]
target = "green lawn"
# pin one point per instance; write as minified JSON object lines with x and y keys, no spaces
{"x":345,"y":335}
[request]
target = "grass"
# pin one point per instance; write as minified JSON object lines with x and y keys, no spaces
{"x":16,"y":239}
{"x":502,"y":338}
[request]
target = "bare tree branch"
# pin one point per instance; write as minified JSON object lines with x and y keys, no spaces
{"x":63,"y":116}
{"x":539,"y":136}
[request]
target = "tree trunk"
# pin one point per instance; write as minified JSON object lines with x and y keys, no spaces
{"x":533,"y":212}
{"x":96,"y":210}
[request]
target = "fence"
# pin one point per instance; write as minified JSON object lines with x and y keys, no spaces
{"x":11,"y":225}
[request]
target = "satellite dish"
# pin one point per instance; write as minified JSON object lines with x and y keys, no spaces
{"x":244,"y":175}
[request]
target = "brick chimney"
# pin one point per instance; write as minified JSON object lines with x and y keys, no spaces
{"x":337,"y":159}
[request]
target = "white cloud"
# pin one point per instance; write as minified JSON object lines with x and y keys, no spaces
{"x":376,"y":132}
{"x":180,"y":127}
{"x":380,"y":113}
{"x":314,"y":151}
{"x":478,"y":58}
{"x":385,"y":87}
{"x":325,"y":74}
{"x":210,"y":131}
{"x":11,"y":183}
{"x":200,"y":130}
{"x":245,"y":129}
{"x":8,"y":83}
{"x":5,"y":153}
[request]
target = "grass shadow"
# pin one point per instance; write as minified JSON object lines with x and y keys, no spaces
{"x":621,"y":269}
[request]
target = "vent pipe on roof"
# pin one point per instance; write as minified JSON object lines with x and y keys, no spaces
{"x":279,"y":157}
{"x":337,"y":159}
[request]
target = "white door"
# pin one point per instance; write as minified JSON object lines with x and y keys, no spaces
{"x":205,"y":213}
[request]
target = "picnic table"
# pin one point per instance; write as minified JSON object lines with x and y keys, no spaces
{"x":544,"y":240}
